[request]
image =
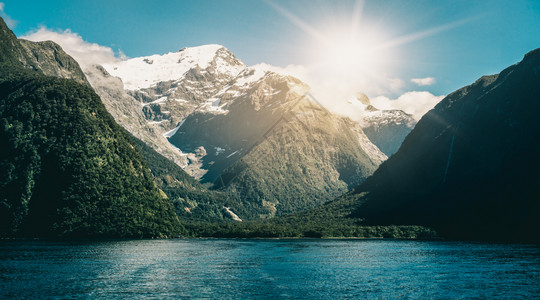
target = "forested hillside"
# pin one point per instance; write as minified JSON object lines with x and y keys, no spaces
{"x":66,"y":168}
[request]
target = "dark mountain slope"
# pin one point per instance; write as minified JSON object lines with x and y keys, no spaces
{"x":11,"y":51}
{"x":470,"y":167}
{"x":66,"y":168}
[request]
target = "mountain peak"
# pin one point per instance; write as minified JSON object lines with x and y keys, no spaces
{"x":11,"y":51}
{"x":209,"y":48}
{"x":147,"y":71}
{"x":363,"y":98}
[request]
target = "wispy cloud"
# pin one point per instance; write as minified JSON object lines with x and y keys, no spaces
{"x":424,"y":81}
{"x":83,"y":52}
{"x":297,"y":71}
{"x":9,"y":21}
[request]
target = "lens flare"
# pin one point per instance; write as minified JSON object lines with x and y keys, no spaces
{"x":344,"y":55}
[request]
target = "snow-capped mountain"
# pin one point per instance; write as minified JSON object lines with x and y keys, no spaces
{"x":276,"y":150}
{"x":169,"y":87}
{"x":146,"y":72}
{"x":254,"y":133}
{"x":127,"y":112}
{"x":385,"y":128}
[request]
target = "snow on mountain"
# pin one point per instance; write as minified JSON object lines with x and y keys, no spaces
{"x":145,"y":72}
{"x":173,"y":85}
{"x":250,"y":75}
{"x":217,"y":112}
{"x":172,"y":132}
{"x":385,"y":128}
{"x":208,"y":81}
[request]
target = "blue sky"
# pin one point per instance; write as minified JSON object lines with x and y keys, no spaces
{"x":453,"y":42}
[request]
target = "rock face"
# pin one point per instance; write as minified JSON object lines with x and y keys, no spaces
{"x":182,"y":190}
{"x":470,"y":166}
{"x":256,"y":135}
{"x":276,"y":150}
{"x":127,"y":111}
{"x":169,"y":87}
{"x":52,"y":60}
{"x":385,"y":128}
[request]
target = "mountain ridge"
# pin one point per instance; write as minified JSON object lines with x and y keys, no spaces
{"x":468,"y":168}
{"x":215,"y":109}
{"x":385,"y":128}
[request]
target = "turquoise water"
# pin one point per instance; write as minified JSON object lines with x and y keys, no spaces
{"x":222,"y":268}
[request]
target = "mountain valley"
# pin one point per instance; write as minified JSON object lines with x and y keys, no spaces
{"x":247,"y":131}
{"x":197,"y":143}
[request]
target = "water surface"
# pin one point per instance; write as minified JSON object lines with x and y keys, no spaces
{"x":232,"y":268}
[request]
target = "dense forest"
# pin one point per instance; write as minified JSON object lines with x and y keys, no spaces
{"x":66,"y":168}
{"x":332,"y":220}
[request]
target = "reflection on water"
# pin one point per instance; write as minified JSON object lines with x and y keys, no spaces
{"x":217,"y":268}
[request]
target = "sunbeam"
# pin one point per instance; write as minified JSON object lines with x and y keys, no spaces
{"x":357,"y":53}
{"x":424,"y":34}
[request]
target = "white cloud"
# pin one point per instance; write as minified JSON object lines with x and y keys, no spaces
{"x":424,"y":81}
{"x":395,"y":84}
{"x":83,"y":52}
{"x":335,"y":94}
{"x":297,"y":71}
{"x":9,"y":21}
{"x":414,"y":103}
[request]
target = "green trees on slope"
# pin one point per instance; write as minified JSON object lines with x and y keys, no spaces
{"x":67,"y":169}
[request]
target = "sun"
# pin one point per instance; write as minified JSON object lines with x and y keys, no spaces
{"x":347,"y":53}
{"x":351,"y":51}
{"x":344,"y":47}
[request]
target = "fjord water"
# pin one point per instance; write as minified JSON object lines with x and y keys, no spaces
{"x":232,"y":268}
